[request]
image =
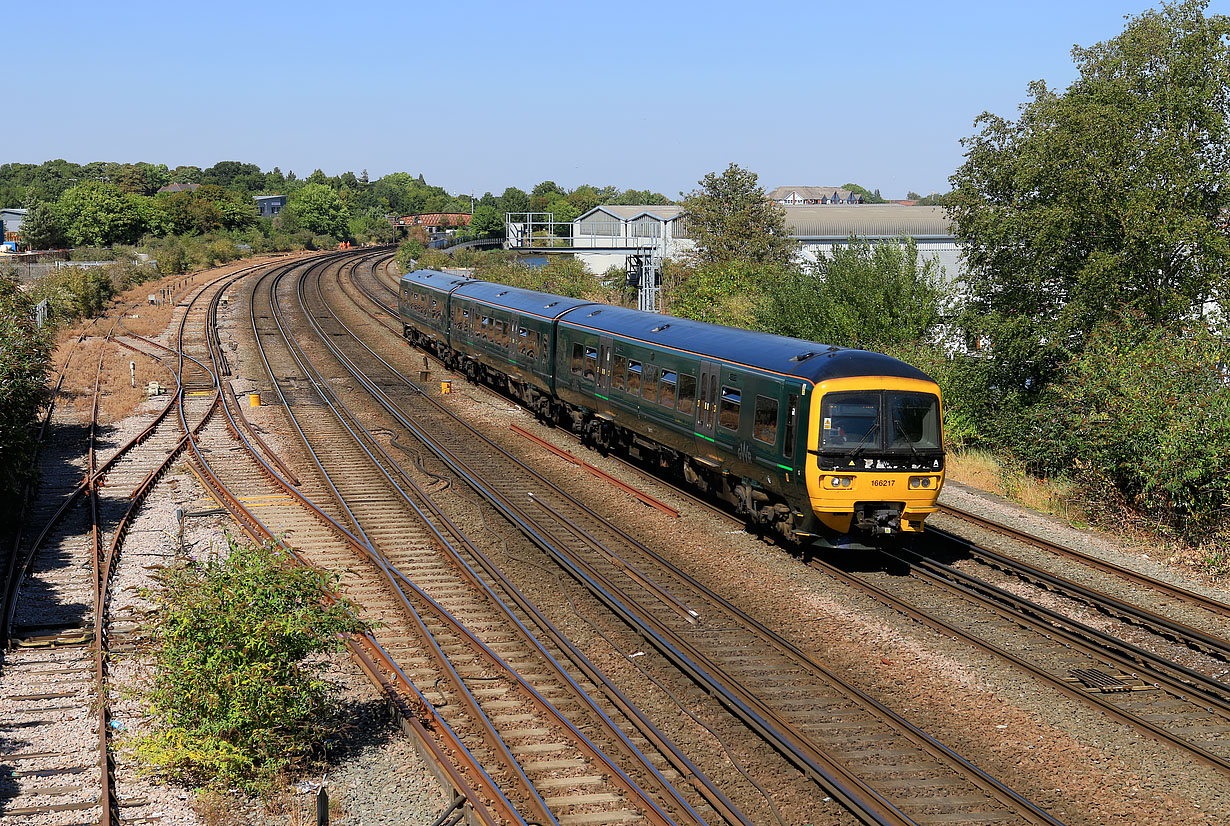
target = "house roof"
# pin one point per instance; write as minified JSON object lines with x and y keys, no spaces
{"x":840,"y":221}
{"x":432,"y":219}
{"x":267,"y":197}
{"x":628,"y":212}
{"x":179,"y":188}
{"x":814,"y":193}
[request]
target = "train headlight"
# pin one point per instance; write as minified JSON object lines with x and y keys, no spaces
{"x":920,"y":481}
{"x":841,"y":481}
{"x":836,"y":480}
{"x":915,"y":481}
{"x":926,"y":481}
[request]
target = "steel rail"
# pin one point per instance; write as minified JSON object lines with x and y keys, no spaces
{"x":994,"y":787}
{"x":14,"y":571}
{"x":446,"y":545}
{"x":1094,"y":641}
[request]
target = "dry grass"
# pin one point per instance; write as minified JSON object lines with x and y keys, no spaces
{"x":118,"y":398}
{"x":982,"y":470}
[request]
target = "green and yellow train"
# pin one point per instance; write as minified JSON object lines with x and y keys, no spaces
{"x":817,"y":443}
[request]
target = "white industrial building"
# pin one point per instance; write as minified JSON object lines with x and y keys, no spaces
{"x":819,"y":229}
{"x":610,"y":235}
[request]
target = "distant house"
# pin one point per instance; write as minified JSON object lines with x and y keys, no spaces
{"x":792,"y":196}
{"x":269,"y":205}
{"x":435,"y":221}
{"x":10,"y":223}
{"x":179,"y":188}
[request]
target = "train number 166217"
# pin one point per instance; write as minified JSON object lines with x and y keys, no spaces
{"x":881,"y":483}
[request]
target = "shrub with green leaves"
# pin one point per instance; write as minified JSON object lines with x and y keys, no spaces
{"x":1144,"y":410}
{"x":24,"y":358}
{"x":235,"y":699}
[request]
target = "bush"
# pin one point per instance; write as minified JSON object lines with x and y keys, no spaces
{"x":1144,"y":411}
{"x":434,"y":260}
{"x":74,"y":292}
{"x":234,"y":701}
{"x":24,"y":359}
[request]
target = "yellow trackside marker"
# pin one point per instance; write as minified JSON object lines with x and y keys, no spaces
{"x":254,"y":400}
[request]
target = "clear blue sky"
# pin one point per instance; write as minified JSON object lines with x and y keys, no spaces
{"x":484,"y":95}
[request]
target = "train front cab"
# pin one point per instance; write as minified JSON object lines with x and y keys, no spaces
{"x":875,"y":455}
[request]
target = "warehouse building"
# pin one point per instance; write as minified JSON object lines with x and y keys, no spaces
{"x":820,"y":229}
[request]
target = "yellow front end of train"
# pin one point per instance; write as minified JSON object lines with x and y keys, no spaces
{"x":875,"y":461}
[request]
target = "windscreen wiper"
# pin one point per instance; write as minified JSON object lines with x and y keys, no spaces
{"x":901,"y":429}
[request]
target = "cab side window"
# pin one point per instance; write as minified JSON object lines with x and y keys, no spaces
{"x":619,"y":372}
{"x":578,"y":356}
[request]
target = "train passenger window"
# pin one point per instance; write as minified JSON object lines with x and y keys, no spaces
{"x":435,"y":308}
{"x":619,"y":372}
{"x":764,"y":425}
{"x":731,"y":401}
{"x":578,"y":356}
{"x":465,"y":320}
{"x":666,"y":392}
{"x":591,"y":362}
{"x":649,"y":386}
{"x":634,"y":377}
{"x":687,"y":393}
{"x":792,"y":413}
{"x":486,"y":334}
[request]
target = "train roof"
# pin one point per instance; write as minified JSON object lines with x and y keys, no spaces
{"x":526,"y":302}
{"x":805,"y":360}
{"x":777,"y":354}
{"x":445,"y":281}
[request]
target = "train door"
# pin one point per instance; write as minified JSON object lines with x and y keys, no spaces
{"x":707,"y":399}
{"x":605,"y":347}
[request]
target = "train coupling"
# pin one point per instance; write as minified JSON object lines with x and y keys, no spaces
{"x":878,"y":518}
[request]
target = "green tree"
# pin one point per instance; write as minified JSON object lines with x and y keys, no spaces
{"x":1108,"y":197}
{"x":731,"y":219}
{"x":317,"y":208}
{"x":41,"y":228}
{"x":873,"y":296}
{"x":487,"y":219}
{"x":99,"y":214}
{"x":869,"y":197}
{"x":514,"y":200}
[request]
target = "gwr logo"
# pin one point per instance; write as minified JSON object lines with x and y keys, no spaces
{"x":745,"y":452}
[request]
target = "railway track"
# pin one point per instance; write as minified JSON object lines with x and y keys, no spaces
{"x":58,"y":621}
{"x":1147,"y":602}
{"x":734,"y":658}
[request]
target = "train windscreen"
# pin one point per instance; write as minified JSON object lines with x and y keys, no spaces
{"x":879,"y":421}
